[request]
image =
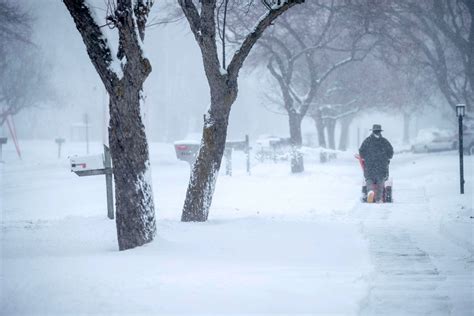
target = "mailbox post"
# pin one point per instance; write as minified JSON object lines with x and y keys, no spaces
{"x":86,"y":124}
{"x":237,"y":145}
{"x":228,"y":161}
{"x":187,"y":151}
{"x":3,"y":141}
{"x":108,"y":182}
{"x":247,"y":152}
{"x":60,"y":142}
{"x":97,"y":165}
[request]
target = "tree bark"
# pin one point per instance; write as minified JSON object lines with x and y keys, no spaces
{"x":331,"y":128}
{"x":296,"y":140}
{"x":223,"y":87}
{"x":208,"y":161}
{"x":344,"y":137}
{"x":135,"y":214}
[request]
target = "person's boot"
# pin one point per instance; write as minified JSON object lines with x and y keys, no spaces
{"x":370,"y":196}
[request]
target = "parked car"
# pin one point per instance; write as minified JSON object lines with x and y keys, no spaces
{"x":433,"y":141}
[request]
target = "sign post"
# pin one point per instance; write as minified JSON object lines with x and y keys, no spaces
{"x":60,"y":142}
{"x":3,"y":141}
{"x":247,"y":152}
{"x":86,"y":124}
{"x":97,"y":165}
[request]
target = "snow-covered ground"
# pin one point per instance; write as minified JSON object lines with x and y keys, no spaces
{"x":274,"y":242}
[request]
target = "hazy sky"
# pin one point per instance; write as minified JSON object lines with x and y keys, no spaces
{"x":177,"y":93}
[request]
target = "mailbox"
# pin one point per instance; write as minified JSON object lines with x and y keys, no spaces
{"x":88,"y":165}
{"x":187,"y":150}
{"x":96,"y":165}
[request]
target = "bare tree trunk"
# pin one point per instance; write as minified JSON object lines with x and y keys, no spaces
{"x":344,"y":138}
{"x":135,"y":217}
{"x":331,"y":128}
{"x":296,"y":139}
{"x":224,"y":89}
{"x":406,"y":128}
{"x":208,"y":162}
{"x":135,"y":214}
{"x":319,"y":124}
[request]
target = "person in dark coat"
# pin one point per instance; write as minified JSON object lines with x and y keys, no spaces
{"x":376,"y":152}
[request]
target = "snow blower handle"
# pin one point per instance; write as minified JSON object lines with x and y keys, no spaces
{"x":361,"y":161}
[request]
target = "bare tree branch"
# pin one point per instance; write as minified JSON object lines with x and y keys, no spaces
{"x":240,"y":55}
{"x":95,"y":41}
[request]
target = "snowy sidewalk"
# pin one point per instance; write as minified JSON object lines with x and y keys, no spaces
{"x":419,"y":268}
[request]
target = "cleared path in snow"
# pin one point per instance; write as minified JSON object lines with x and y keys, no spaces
{"x":419,"y":269}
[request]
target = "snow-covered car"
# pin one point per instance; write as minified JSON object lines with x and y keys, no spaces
{"x":272,"y":147}
{"x":433,"y":141}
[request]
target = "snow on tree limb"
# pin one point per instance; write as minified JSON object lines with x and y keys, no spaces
{"x":96,"y":43}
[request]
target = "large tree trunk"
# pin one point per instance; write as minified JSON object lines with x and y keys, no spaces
{"x":331,"y":128}
{"x":223,"y":85}
{"x":135,"y":216}
{"x":208,"y":162}
{"x":344,"y":137}
{"x":406,"y":128}
{"x":296,"y":140}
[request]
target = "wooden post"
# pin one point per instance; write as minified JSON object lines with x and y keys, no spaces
{"x":247,"y":152}
{"x":3,"y":140}
{"x":108,"y":182}
{"x":86,"y":123}
{"x":228,"y":161}
{"x":60,"y":142}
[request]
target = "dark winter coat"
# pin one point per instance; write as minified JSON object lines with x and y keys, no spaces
{"x":376,"y":152}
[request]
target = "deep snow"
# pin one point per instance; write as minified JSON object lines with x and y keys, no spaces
{"x":274,"y":242}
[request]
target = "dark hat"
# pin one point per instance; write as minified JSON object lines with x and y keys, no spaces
{"x":377,"y":127}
